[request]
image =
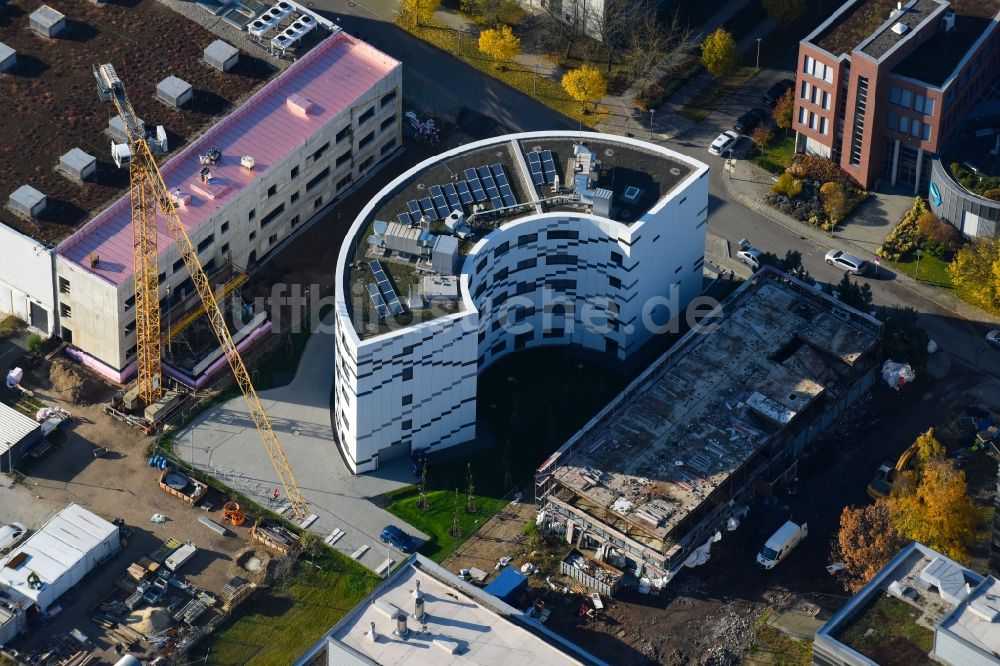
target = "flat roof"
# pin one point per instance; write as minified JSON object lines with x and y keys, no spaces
{"x":478,"y":627}
{"x":937,"y":58}
{"x":885,"y":37}
{"x":851,"y":24}
{"x":654,"y":174}
{"x":333,"y":76}
{"x":977,"y":619}
{"x":709,"y":405}
{"x":56,"y":548}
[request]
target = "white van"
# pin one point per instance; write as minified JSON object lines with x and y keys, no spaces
{"x":11,"y":534}
{"x":781,"y":543}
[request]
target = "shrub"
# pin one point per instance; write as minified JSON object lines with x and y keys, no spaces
{"x":34,"y":342}
{"x":940,"y":239}
{"x":836,"y":202}
{"x":821,"y":169}
{"x":992,"y":194}
{"x":788,"y":185}
{"x":905,"y":237}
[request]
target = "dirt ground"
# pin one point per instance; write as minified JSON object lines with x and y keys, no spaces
{"x":49,"y":103}
{"x":708,"y":615}
{"x":121,"y":485}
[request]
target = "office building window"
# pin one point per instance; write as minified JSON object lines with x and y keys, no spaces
{"x":387,"y":99}
{"x":926,"y":132}
{"x":904,"y":124}
{"x":346,"y":157}
{"x":65,"y":311}
{"x":319,"y":153}
{"x":294,"y":197}
{"x":891,"y":120}
{"x":389,"y":145}
{"x":271,"y":191}
{"x":905,"y":97}
{"x":293,"y":173}
{"x":915,"y":127}
{"x":805,"y":91}
{"x":822,"y":125}
{"x":343,"y":134}
{"x":224,"y":228}
{"x":63,"y":285}
{"x":366,"y":116}
{"x":387,"y":122}
{"x":206,"y":243}
{"x":408,"y":399}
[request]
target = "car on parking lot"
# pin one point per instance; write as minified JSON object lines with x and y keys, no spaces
{"x":724,"y":142}
{"x":11,"y":534}
{"x":847,"y":262}
{"x":993,"y":337}
{"x":775,"y":92}
{"x":748,"y":122}
{"x":397,"y":538}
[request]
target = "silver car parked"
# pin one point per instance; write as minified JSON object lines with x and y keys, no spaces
{"x":847,"y":262}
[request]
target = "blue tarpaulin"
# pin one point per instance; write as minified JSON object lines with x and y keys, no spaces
{"x":507,"y":585}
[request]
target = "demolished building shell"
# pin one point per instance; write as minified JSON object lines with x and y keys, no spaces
{"x":726,"y":410}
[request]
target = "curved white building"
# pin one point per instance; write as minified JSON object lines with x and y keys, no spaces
{"x":556,"y":238}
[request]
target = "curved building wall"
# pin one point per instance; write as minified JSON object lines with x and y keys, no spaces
{"x":540,"y":279}
{"x":973,"y":215}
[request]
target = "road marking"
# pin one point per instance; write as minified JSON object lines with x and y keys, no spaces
{"x":359,"y":552}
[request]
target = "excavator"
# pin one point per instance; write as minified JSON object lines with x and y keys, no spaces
{"x":885,"y":479}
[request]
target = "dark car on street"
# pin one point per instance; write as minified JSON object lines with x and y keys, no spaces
{"x":748,"y":122}
{"x":775,"y":92}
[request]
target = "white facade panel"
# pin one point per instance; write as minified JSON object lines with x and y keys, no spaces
{"x":25,"y":278}
{"x":415,"y":389}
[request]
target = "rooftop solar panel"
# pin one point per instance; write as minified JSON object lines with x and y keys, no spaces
{"x":428,"y":207}
{"x":477,"y":190}
{"x":452,"y":195}
{"x":404,"y":218}
{"x":377,"y":301}
{"x":471,"y":176}
{"x":550,"y":176}
{"x":414,"y":208}
{"x":391,"y":299}
{"x":533,"y":158}
{"x":507,"y":195}
{"x":464,"y":194}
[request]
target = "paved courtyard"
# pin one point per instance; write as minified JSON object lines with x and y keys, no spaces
{"x":223,"y":442}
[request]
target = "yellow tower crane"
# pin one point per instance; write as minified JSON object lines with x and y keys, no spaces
{"x":149,"y":194}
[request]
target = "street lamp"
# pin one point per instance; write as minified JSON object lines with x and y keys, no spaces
{"x":758,"y":52}
{"x":534,"y":81}
{"x":651,"y":112}
{"x":916,"y":273}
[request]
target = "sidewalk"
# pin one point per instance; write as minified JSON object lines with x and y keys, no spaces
{"x":861,"y":235}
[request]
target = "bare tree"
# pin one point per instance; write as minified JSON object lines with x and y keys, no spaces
{"x":655,"y":47}
{"x":612,"y":23}
{"x":562,"y":26}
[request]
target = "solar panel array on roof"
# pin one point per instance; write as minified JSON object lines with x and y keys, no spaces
{"x":404,"y":218}
{"x":549,"y":166}
{"x":477,"y":188}
{"x":505,"y":192}
{"x":377,"y":301}
{"x":439,"y":202}
{"x":535,"y":165}
{"x":427,"y":206}
{"x":414,"y":207}
{"x":391,"y":299}
{"x":490,"y":186}
{"x":452,"y":195}
{"x":464,"y":194}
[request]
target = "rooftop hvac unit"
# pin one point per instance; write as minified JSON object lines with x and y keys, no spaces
{"x":900,"y":28}
{"x":247,"y":162}
{"x":121,"y":154}
{"x":948,"y":22}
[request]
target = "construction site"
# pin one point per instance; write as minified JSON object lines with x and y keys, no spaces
{"x":648,"y":484}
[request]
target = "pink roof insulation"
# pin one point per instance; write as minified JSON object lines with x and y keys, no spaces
{"x":270,"y":125}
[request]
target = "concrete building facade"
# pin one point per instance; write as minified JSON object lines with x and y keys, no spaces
{"x":549,"y":270}
{"x":883,"y":106}
{"x":287,"y":154}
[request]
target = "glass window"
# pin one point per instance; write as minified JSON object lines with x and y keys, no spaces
{"x":828,"y":75}
{"x":892,"y":120}
{"x":915,"y":128}
{"x":928,"y":106}
{"x":826,"y":101}
{"x":904,"y":124}
{"x":918,"y":103}
{"x":905,"y":97}
{"x":802,"y":115}
{"x":807,"y":65}
{"x":805,"y":90}
{"x":822,"y":125}
{"x":926,"y":132}
{"x":894,"y":95}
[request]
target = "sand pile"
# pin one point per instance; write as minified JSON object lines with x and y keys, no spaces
{"x":149,"y":621}
{"x":73,"y":383}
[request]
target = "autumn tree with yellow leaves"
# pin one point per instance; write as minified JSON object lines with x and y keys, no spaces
{"x":719,"y":53}
{"x":585,"y":84}
{"x":976,"y":272}
{"x":420,"y":12}
{"x":501,"y":44}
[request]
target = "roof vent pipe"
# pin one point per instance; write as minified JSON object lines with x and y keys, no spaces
{"x":401,"y":629}
{"x":418,"y":609}
{"x":372,"y":636}
{"x":416,"y":590}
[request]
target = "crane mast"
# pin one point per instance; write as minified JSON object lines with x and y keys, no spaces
{"x":149,"y":193}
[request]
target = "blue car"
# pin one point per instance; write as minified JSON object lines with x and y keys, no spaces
{"x":397,"y":538}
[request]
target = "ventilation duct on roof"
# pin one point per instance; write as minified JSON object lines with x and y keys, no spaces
{"x":948,"y":22}
{"x":900,"y":28}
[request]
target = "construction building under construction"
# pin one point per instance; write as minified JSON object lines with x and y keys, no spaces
{"x":726,"y":412}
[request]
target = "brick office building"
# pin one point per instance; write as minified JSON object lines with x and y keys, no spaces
{"x":881,"y":86}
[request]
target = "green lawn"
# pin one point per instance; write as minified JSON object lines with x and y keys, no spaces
{"x":702,"y":104}
{"x":771,"y":646}
{"x":466,"y":48}
{"x":278,"y":624}
{"x":887,"y":632}
{"x":779,"y":155}
{"x":437,"y":521}
{"x":931,"y":270}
